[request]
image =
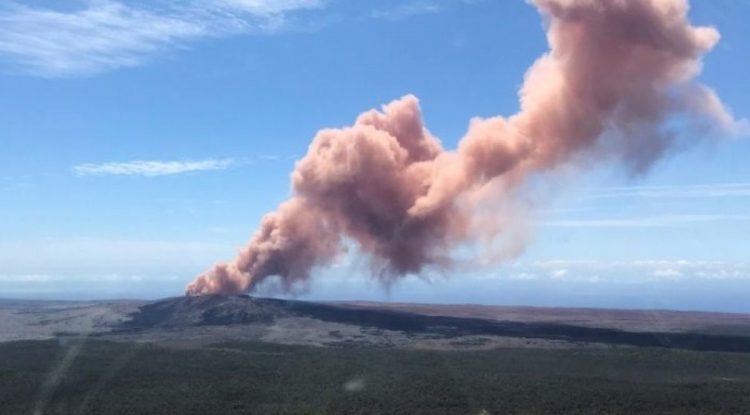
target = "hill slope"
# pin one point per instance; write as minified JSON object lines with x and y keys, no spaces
{"x":346,"y":323}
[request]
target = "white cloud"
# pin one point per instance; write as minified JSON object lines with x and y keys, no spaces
{"x":269,"y":157}
{"x":687,"y":191}
{"x":668,"y":273}
{"x":638,"y":271}
{"x":151,"y":168}
{"x":108,"y":34}
{"x":559,"y":273}
{"x":521,"y":276}
{"x":27,"y":278}
{"x":98,"y":278}
{"x":270,"y":7}
{"x":647,"y":221}
{"x":407,"y":9}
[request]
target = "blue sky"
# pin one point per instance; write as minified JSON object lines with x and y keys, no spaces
{"x":143,"y":141}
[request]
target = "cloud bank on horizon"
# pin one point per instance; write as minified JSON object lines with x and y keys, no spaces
{"x":618,"y":83}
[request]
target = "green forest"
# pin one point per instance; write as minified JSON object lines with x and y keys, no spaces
{"x":79,"y":376}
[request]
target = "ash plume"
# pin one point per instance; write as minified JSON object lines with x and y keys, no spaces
{"x":618,"y":83}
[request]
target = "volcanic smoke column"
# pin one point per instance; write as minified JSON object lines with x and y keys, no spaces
{"x":616,"y":74}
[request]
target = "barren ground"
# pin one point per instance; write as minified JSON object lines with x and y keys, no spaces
{"x":188,"y":323}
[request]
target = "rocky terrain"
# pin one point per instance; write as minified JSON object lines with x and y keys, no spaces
{"x":39,"y":320}
{"x":200,"y":321}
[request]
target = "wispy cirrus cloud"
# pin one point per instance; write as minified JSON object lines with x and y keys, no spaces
{"x":407,"y":9}
{"x":151,"y":168}
{"x":267,"y":7}
{"x":646,"y":221}
{"x":716,"y":190}
{"x":102,"y":35}
{"x":88,"y":37}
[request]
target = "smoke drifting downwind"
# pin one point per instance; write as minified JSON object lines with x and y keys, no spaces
{"x":617,"y":73}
